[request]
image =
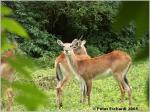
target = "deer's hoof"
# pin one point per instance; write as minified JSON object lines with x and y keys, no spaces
{"x":60,"y":105}
{"x":82,"y":101}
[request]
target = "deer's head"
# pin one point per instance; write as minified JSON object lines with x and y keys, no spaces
{"x":80,"y":48}
{"x":77,"y":46}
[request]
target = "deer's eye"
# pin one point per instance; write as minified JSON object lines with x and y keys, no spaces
{"x":73,"y":46}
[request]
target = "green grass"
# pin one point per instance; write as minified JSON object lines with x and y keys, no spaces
{"x":105,"y":92}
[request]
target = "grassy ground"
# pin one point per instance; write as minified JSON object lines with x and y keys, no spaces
{"x":105,"y":92}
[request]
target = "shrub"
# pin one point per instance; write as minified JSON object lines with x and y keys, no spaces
{"x":48,"y":21}
{"x":45,"y":61}
{"x":93,"y":51}
{"x":45,"y":78}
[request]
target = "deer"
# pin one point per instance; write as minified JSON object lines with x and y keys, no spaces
{"x":6,"y":72}
{"x":115,"y":63}
{"x":62,"y":69}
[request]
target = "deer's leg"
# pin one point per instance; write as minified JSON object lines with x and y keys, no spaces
{"x":130,"y":97}
{"x":127,"y":88}
{"x":82,"y":92}
{"x":118,"y":77}
{"x":123,"y":83}
{"x":89,"y":87}
{"x":126,"y":83}
{"x":83,"y":88}
{"x":122,"y":91}
{"x":59,"y":89}
{"x":58,"y":94}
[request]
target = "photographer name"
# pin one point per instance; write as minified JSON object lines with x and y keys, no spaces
{"x":116,"y":108}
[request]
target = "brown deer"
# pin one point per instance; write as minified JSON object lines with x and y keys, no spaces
{"x":6,"y":72}
{"x":63,"y":71}
{"x":117,"y":63}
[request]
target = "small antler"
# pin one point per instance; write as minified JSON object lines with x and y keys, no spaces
{"x":81,"y":37}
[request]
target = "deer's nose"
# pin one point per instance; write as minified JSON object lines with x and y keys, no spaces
{"x":66,"y":51}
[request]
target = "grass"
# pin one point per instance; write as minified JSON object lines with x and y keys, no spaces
{"x":105,"y":92}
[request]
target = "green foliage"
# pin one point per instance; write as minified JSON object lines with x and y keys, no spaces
{"x":42,"y":42}
{"x":93,"y":51}
{"x":137,"y":12}
{"x":45,"y":61}
{"x":48,"y":21}
{"x":5,"y":45}
{"x":44,"y":45}
{"x":21,"y":64}
{"x":14,"y":27}
{"x":45,"y":79}
{"x":133,"y":11}
{"x":142,"y":53}
{"x":5,"y":11}
{"x":9,"y":25}
{"x":28,"y":95}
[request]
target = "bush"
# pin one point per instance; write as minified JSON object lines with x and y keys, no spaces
{"x":48,"y":21}
{"x":41,"y":46}
{"x":93,"y":51}
{"x":45,"y":79}
{"x":45,"y":61}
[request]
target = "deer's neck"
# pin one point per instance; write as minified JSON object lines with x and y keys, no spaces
{"x":84,"y":50}
{"x":72,"y":63}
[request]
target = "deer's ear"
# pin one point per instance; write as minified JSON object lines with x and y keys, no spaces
{"x":83,"y":42}
{"x":74,"y":42}
{"x":60,"y":42}
{"x":79,"y":43}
